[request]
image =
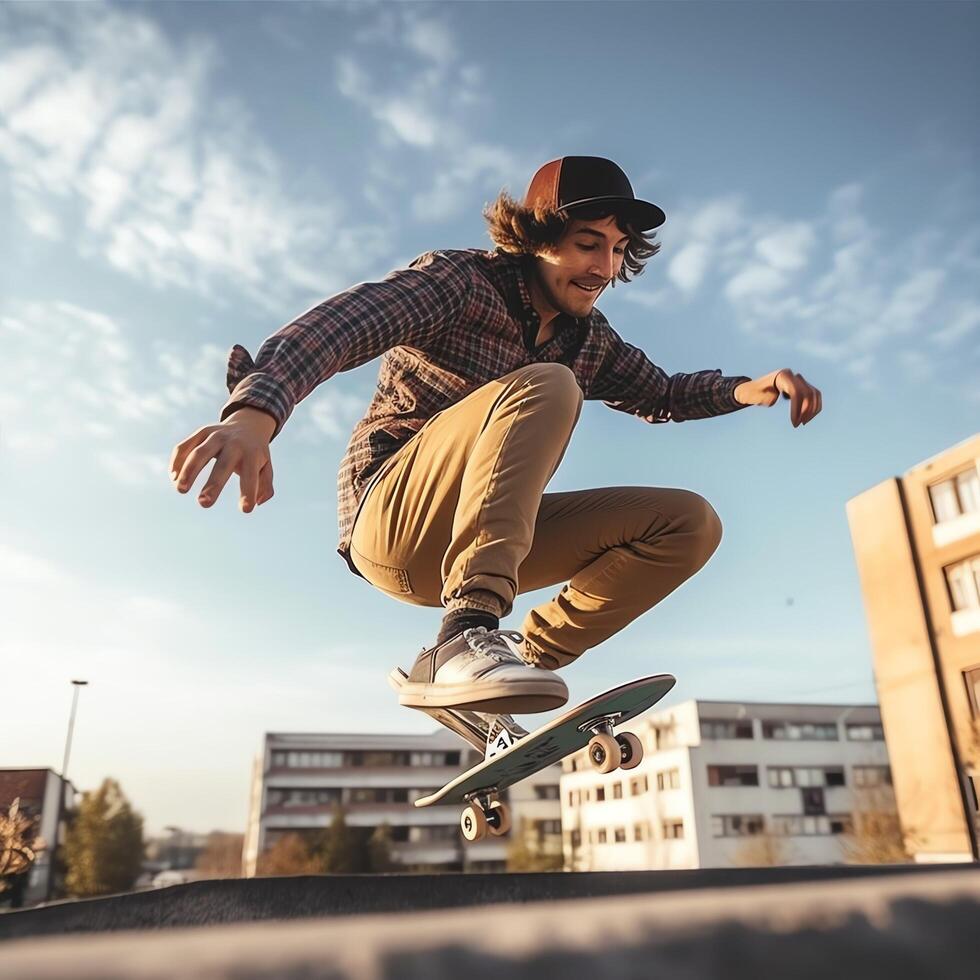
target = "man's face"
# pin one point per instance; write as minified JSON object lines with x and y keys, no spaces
{"x":575,"y":272}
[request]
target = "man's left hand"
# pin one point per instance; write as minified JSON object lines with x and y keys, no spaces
{"x":805,"y":400}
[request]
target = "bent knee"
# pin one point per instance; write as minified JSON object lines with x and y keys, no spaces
{"x":552,"y":375}
{"x":704,"y":523}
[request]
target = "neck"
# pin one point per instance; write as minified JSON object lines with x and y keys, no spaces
{"x":539,"y":300}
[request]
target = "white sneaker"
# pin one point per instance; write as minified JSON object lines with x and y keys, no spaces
{"x":482,"y":670}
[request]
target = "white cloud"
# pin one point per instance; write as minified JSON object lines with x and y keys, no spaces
{"x":688,"y":267}
{"x":787,"y":248}
{"x":428,"y":108}
{"x":103,"y":109}
{"x":752,"y":281}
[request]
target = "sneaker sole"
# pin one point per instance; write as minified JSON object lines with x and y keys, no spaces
{"x":514,"y":697}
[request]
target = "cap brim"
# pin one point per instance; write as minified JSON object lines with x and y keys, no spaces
{"x":643,"y":215}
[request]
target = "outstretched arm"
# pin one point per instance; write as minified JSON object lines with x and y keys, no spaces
{"x":805,"y":400}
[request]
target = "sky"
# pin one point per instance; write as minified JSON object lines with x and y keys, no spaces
{"x":176,"y":178}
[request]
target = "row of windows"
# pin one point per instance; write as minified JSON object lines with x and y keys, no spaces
{"x":343,"y":760}
{"x":963,"y":580}
{"x":782,"y":777}
{"x":958,"y":495}
{"x":336,"y":795}
{"x":788,"y":825}
{"x":614,"y":791}
{"x":715,"y":729}
{"x":669,"y":830}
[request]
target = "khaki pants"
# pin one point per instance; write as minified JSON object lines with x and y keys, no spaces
{"x":458,"y":516}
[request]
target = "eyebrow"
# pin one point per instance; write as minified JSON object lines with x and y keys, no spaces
{"x":599,"y":234}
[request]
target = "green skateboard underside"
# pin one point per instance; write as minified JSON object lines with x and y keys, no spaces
{"x":553,"y":741}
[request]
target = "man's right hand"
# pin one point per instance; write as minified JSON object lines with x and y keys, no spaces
{"x":239,"y":445}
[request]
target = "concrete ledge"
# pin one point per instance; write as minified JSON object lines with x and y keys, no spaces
{"x":893,"y":927}
{"x":217,"y":902}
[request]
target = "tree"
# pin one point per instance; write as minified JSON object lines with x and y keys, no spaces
{"x":342,"y":849}
{"x":379,"y":850}
{"x":104,"y":844}
{"x":524,"y":853}
{"x":876,"y":835}
{"x":222,"y":856}
{"x":19,"y":844}
{"x":290,"y":855}
{"x":763,"y":850}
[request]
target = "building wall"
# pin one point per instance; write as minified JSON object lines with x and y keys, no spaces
{"x":676,"y":808}
{"x":923,"y":649}
{"x":430,"y":836}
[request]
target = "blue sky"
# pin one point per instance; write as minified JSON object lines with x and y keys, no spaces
{"x":176,"y":178}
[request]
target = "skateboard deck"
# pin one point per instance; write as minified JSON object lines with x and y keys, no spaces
{"x":561,"y":736}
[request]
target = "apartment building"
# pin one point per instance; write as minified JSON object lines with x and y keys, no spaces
{"x":45,"y":798}
{"x":300,"y":779}
{"x":723,"y":784}
{"x":916,"y":540}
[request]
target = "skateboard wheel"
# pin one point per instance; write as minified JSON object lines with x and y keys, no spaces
{"x":604,"y":752}
{"x":631,"y":749}
{"x":473,"y":823}
{"x":498,"y":818}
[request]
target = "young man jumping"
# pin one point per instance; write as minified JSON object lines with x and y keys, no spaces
{"x":486,"y":359}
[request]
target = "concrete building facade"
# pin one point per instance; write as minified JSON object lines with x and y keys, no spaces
{"x":723,"y":784}
{"x":916,"y":541}
{"x":299,"y":781}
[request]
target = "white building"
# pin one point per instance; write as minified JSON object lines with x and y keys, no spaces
{"x":719,"y":780}
{"x":300,"y":779}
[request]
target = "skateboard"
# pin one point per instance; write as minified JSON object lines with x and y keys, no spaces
{"x":591,"y":724}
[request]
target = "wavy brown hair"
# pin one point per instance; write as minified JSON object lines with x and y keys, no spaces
{"x":522,"y":230}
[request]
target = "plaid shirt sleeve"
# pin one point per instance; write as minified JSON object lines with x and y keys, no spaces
{"x":628,"y":381}
{"x":343,"y":332}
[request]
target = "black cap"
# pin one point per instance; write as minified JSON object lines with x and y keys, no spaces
{"x":571,"y":182}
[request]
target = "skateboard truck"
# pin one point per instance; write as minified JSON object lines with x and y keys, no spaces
{"x":608,"y":751}
{"x":484,"y":814}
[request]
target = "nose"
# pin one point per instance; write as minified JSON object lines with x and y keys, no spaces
{"x":604,"y":266}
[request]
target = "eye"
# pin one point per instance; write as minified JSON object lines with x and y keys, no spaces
{"x":587,"y":248}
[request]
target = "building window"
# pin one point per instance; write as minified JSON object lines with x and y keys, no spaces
{"x":620,"y":833}
{"x":673,"y":829}
{"x":865,"y":733}
{"x":546,"y":792}
{"x":600,"y":794}
{"x":575,"y":838}
{"x":736,"y":825}
{"x":865,"y":776}
{"x":303,"y":797}
{"x":784,"y":777}
{"x":972,"y":679}
{"x":431,"y":758}
{"x":797,"y":825}
{"x":638,"y":785}
{"x":617,"y":791}
{"x":712,"y":728}
{"x":545,"y":828}
{"x":639,"y":831}
{"x":601,"y":835}
{"x":803,"y":731}
{"x":733,"y":775}
{"x":308,"y":760}
{"x":963,"y":582}
{"x":671,"y":779}
{"x":956,"y":496}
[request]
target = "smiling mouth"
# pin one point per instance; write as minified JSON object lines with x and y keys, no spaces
{"x":587,"y":289}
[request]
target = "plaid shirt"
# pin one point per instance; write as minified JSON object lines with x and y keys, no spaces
{"x":449,"y":323}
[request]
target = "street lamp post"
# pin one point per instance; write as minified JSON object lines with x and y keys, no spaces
{"x":71,"y":729}
{"x":64,"y":788}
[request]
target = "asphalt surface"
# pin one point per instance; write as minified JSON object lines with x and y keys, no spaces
{"x":912,"y":926}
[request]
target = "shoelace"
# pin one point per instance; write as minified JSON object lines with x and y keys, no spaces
{"x":490,"y":643}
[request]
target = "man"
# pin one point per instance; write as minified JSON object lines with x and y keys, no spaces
{"x":487,"y":357}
